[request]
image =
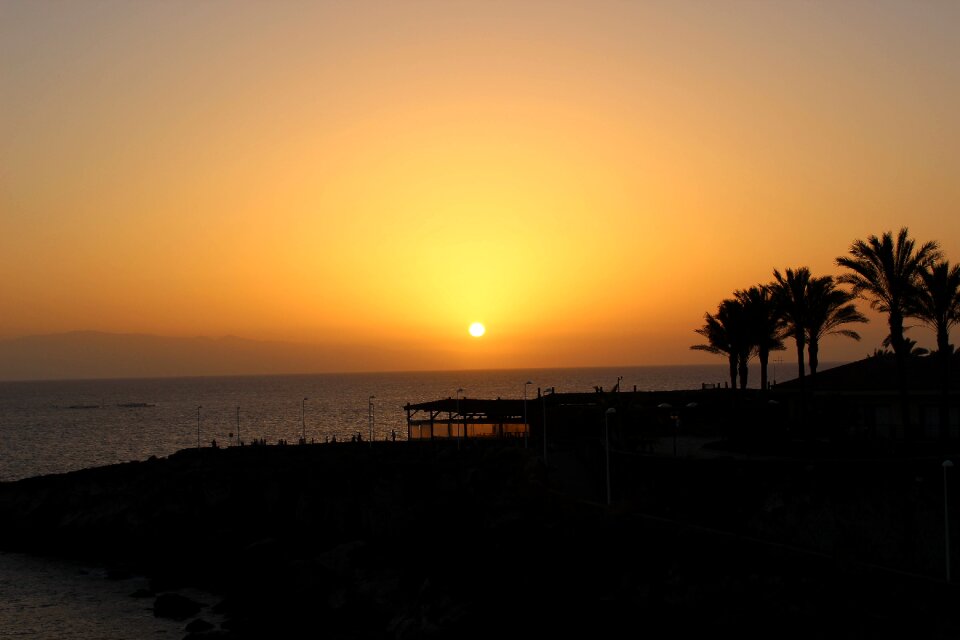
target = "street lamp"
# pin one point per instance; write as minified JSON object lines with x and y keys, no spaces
{"x":238,"y":425}
{"x":198,"y":425}
{"x":463,"y":424}
{"x":370,"y":410}
{"x":543,"y":399}
{"x":606,"y":436}
{"x":303,"y":421}
{"x":526,"y":427}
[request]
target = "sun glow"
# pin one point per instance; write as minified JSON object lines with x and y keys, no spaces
{"x":367,"y":176}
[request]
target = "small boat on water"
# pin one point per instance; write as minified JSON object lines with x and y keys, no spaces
{"x":135,"y":405}
{"x":84,"y":406}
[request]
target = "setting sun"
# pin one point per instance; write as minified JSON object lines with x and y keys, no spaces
{"x":477,"y":329}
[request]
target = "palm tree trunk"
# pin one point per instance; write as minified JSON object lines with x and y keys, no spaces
{"x":801,"y":343}
{"x":743,"y":370}
{"x":943,"y":341}
{"x":896,"y":334}
{"x":814,"y":349}
{"x":733,"y":371}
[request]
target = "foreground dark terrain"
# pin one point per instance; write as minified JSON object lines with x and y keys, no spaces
{"x":411,"y":540}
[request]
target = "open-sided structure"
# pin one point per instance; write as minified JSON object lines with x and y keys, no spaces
{"x":467,"y":418}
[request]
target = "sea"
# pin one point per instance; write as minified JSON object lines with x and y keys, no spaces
{"x":59,"y":426}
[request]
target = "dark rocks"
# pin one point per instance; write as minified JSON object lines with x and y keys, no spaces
{"x":410,"y":542}
{"x":198,"y":625}
{"x":142,"y":593}
{"x":175,"y":606}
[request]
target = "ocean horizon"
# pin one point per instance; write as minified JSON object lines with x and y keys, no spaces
{"x":56,"y":426}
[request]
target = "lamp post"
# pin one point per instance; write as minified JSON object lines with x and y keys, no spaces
{"x":947,"y":465}
{"x":543,"y":399}
{"x":303,"y":421}
{"x":526,"y":427}
{"x":370,"y":410}
{"x":238,"y":425}
{"x":198,"y":425}
{"x":606,"y":436}
{"x":463,"y":424}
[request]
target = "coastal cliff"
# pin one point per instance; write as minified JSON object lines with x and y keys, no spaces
{"x":402,"y":540}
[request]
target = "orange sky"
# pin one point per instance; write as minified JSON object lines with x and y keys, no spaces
{"x":586,"y":178}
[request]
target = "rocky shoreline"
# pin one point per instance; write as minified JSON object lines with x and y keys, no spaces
{"x":414,"y":541}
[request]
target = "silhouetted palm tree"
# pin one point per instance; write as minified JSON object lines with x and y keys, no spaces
{"x":937,"y":302}
{"x":728,"y":333}
{"x":913,"y":348}
{"x":828,"y":309}
{"x":764,"y":325}
{"x":790,"y":294}
{"x":734,"y":315}
{"x":886,"y":272}
{"x":718,"y":341}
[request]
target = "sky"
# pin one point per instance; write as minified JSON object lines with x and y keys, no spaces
{"x":587,"y":179}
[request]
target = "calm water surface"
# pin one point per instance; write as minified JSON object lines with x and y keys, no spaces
{"x":47,"y":599}
{"x":53,"y":427}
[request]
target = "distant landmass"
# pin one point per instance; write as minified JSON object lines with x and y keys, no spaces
{"x":93,"y":354}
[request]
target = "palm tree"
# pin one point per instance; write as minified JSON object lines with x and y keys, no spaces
{"x":937,"y":303}
{"x":887,"y":272}
{"x":728,"y":334}
{"x":828,"y":309}
{"x":735,"y":317}
{"x":913,"y":348}
{"x":763,"y":324}
{"x":718,"y":341}
{"x":790,"y":293}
